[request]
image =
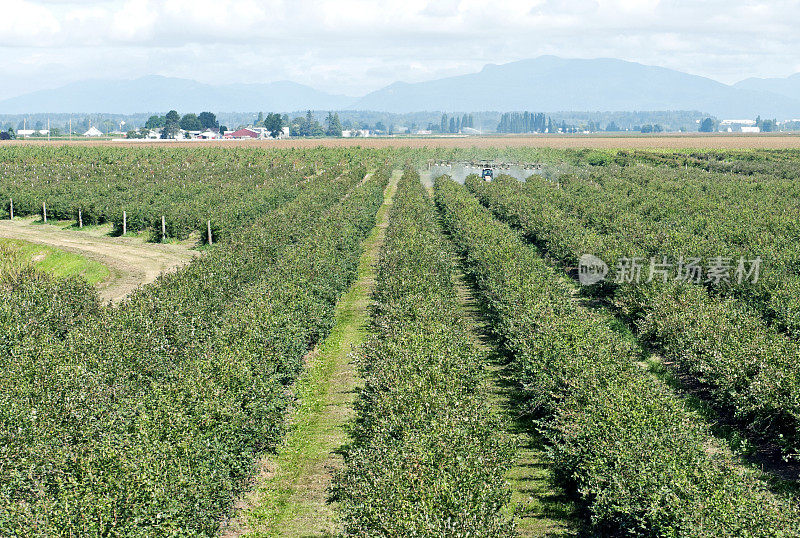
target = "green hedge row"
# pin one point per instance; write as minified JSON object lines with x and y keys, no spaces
{"x":428,"y":455}
{"x":694,"y":213}
{"x":148,"y":420}
{"x":642,"y":463}
{"x":746,"y":364}
{"x":231,"y":187}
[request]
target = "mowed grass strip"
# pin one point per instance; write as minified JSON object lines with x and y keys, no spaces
{"x":291,"y":496}
{"x":538,"y":506}
{"x":56,"y":262}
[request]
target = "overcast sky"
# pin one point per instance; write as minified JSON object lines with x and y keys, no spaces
{"x":355,"y":46}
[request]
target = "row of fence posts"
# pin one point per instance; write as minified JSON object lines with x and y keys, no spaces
{"x":124,"y":221}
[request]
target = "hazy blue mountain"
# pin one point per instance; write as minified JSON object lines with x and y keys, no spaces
{"x":161,"y":94}
{"x":789,"y":86}
{"x":550,"y":84}
{"x":545,"y":84}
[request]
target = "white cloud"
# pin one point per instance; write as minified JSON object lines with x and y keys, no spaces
{"x":27,"y":23}
{"x":353,"y":46}
{"x":629,"y":6}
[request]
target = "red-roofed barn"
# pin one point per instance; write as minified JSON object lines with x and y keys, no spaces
{"x":242,"y":133}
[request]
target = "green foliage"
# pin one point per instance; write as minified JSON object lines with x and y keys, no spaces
{"x":708,"y":125}
{"x":208,"y":120}
{"x":172,"y":117}
{"x":190,"y":122}
{"x":306,"y":126}
{"x":155,"y":122}
{"x":171,"y":125}
{"x":648,"y":128}
{"x":146,"y":420}
{"x":717,"y":335}
{"x":598,"y":158}
{"x":640,"y":460}
{"x":748,"y":366}
{"x":274,"y":124}
{"x":524,"y":122}
{"x":334,"y":126}
{"x":428,"y":457}
{"x":230,"y":187}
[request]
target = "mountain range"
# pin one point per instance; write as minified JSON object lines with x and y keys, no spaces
{"x":545,"y":84}
{"x":160,"y":94}
{"x":788,"y":87}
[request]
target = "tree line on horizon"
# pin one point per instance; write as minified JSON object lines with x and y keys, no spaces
{"x":172,"y":122}
{"x":310,"y":124}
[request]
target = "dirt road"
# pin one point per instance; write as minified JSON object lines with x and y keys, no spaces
{"x":131,"y":261}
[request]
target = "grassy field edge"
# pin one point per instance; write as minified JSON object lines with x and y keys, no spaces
{"x":59,"y":263}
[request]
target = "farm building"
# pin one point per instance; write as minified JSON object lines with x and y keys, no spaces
{"x":738,"y":126}
{"x":93,"y":131}
{"x":243,"y":133}
{"x":262,"y":132}
{"x":355,"y":132}
{"x":30,"y":132}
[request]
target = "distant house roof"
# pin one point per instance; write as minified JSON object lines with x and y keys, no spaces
{"x":355,"y":132}
{"x":93,"y":131}
{"x":29,"y":132}
{"x":242,"y":133}
{"x":737,"y":122}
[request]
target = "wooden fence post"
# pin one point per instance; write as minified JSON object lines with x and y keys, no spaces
{"x":124,"y":222}
{"x":163,"y":229}
{"x":44,"y":212}
{"x":12,"y":207}
{"x":210,"y":241}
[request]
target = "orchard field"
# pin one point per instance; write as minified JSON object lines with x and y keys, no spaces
{"x":365,"y":349}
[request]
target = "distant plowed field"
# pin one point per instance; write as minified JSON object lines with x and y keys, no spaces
{"x":692,"y":141}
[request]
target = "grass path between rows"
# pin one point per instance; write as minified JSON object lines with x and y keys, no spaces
{"x":290,"y":497}
{"x":537,"y":506}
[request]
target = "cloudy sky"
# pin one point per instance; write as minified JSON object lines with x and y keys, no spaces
{"x":355,"y":46}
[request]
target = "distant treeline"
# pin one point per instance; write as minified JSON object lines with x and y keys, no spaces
{"x":393,"y":123}
{"x":538,"y":122}
{"x":524,"y":122}
{"x":452,"y":124}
